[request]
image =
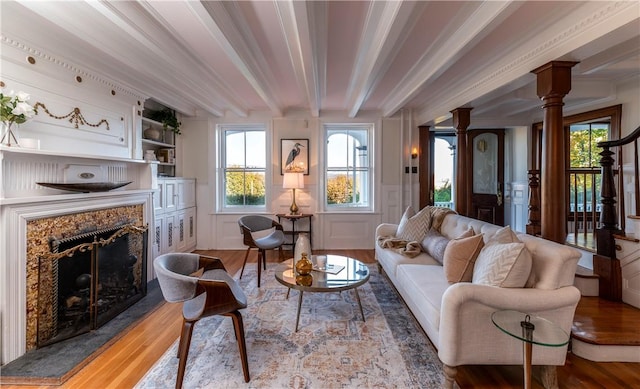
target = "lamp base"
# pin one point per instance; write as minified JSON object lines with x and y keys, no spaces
{"x":293,"y":209}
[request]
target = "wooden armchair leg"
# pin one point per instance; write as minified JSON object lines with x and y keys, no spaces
{"x":260,"y":258}
{"x":246,"y":255}
{"x":183,"y":350}
{"x":449,"y":376}
{"x":239,"y":329}
{"x":264,"y":260}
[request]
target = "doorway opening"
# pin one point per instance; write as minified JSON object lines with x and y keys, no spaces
{"x":444,"y":149}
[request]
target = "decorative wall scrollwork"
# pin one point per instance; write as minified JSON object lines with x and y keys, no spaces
{"x":75,"y":117}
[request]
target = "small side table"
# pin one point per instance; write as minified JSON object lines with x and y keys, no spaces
{"x":294,"y":232}
{"x":530,"y":330}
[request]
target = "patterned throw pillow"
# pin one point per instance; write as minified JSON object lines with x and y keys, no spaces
{"x":414,"y":226}
{"x":506,"y":265}
{"x":460,"y":257}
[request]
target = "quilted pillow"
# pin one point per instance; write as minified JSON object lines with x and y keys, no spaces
{"x":460,"y":257}
{"x":506,"y":265}
{"x":414,"y":226}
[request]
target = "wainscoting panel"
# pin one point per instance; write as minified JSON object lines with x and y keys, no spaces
{"x":350,"y":231}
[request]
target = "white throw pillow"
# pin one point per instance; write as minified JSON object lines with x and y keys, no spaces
{"x":505,"y":265}
{"x":414,"y":226}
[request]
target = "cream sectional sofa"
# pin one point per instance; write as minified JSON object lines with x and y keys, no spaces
{"x":457,"y":317}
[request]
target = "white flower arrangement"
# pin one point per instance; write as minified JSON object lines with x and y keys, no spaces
{"x":14,"y":109}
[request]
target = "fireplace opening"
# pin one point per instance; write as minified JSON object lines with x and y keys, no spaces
{"x":89,"y":279}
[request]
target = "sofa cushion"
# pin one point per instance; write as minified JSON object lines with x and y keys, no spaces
{"x":460,"y":257}
{"x":507,"y":265}
{"x":413,"y":226}
{"x":426,"y":285}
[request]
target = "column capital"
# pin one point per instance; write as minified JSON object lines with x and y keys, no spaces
{"x":554,"y":79}
{"x":461,"y":118}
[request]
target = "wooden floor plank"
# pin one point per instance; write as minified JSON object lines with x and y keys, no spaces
{"x":124,"y":363}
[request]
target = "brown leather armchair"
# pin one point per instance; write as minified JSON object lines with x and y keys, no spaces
{"x":206,"y":289}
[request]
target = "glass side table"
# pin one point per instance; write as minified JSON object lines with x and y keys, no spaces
{"x":530,"y":330}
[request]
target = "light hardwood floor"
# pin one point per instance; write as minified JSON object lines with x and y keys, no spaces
{"x":123,"y":364}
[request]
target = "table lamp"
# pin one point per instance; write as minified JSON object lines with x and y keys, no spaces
{"x":293,"y":181}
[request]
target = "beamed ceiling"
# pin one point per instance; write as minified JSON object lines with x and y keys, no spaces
{"x":429,"y":57}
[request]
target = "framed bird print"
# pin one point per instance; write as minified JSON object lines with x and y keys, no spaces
{"x":294,"y":156}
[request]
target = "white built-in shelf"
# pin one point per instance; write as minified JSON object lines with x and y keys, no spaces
{"x":157,"y":143}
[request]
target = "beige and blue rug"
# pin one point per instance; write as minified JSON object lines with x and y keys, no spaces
{"x":333,"y":347}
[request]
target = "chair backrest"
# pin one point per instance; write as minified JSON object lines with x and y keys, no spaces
{"x":173,"y":272}
{"x":255,"y":222}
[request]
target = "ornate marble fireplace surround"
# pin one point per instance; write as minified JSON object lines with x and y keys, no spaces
{"x":31,"y":215}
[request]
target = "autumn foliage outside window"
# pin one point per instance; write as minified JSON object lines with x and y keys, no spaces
{"x":348,"y":167}
{"x":244,"y":166}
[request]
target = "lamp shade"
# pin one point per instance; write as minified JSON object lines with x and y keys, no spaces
{"x":293,"y":181}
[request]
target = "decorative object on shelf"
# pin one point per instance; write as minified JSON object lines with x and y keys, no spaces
{"x":74,"y":117}
{"x":168,"y":155}
{"x":86,"y":187}
{"x":149,"y":156}
{"x":14,"y":109}
{"x":168,"y":119}
{"x":152,"y":133}
{"x":303,"y":246}
{"x":294,"y":156}
{"x":293,"y":181}
{"x":304,"y":265}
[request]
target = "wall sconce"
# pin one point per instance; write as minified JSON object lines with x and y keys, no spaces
{"x":293,"y":181}
{"x":414,"y":153}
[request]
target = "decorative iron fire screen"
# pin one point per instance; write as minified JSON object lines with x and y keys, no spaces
{"x":89,"y":279}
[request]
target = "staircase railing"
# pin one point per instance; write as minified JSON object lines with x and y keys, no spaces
{"x":605,"y":262}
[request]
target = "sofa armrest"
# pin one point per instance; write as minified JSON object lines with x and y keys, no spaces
{"x":386,"y":229}
{"x":468,"y":336}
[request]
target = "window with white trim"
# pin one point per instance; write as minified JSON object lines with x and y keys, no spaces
{"x":348,"y":168}
{"x":243,"y":159}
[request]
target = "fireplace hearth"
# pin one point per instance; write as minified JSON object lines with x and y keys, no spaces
{"x":88,"y":279}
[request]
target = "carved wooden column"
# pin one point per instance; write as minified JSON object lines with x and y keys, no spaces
{"x":461,"y":121}
{"x":605,"y":263}
{"x":554,"y":82}
{"x":425,"y":170}
{"x":533,"y":226}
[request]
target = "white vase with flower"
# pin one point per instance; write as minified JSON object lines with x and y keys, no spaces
{"x":14,"y":109}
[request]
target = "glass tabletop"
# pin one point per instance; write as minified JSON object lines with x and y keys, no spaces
{"x":544,"y":332}
{"x":353,"y":274}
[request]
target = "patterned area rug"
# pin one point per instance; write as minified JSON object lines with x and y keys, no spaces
{"x":333,"y":347}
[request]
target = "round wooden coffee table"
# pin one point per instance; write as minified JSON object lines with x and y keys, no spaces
{"x":349,"y":274}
